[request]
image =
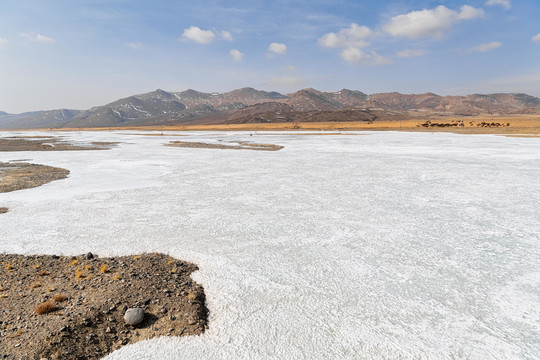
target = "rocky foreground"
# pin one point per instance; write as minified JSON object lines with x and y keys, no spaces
{"x":74,"y":307}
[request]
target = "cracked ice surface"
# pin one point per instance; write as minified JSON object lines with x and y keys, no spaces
{"x":384,"y":246}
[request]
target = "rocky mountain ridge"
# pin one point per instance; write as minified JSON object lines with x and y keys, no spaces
{"x":251,"y":105}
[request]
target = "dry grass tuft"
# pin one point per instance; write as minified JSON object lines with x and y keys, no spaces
{"x":36,"y":285}
{"x":104,"y":268}
{"x":60,"y":297}
{"x":74,"y":262}
{"x":45,"y":308}
{"x":43,"y":273}
{"x":117,"y":277}
{"x":8,"y":267}
{"x":78,"y":273}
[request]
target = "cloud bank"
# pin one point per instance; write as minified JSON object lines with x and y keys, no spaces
{"x":487,"y":47}
{"x":429,"y":22}
{"x":410,"y":53}
{"x":504,"y":3}
{"x":37,"y":38}
{"x":353,"y":36}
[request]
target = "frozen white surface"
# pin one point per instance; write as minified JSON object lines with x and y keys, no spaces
{"x":383,"y":246}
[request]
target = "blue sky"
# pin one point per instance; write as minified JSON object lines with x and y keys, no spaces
{"x":83,"y":53}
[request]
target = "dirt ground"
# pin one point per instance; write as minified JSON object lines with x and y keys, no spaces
{"x":43,"y":143}
{"x":241,"y":146}
{"x":87,"y":298}
{"x":19,"y":175}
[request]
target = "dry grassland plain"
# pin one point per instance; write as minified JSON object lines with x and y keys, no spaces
{"x":511,"y":125}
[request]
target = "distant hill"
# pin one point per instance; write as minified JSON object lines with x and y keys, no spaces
{"x":251,"y":105}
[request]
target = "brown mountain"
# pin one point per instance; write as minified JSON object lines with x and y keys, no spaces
{"x":311,"y":99}
{"x":251,"y":105}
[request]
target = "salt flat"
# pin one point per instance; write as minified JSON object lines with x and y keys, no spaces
{"x":385,"y":246}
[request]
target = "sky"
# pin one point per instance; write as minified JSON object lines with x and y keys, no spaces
{"x":82,"y":53}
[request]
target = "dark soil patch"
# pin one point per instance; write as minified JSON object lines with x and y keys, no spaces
{"x":39,"y":143}
{"x":240,"y":146}
{"x":18,"y":176}
{"x":89,"y":297}
{"x":3,"y":210}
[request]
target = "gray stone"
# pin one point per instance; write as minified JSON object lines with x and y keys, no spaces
{"x":134,"y":316}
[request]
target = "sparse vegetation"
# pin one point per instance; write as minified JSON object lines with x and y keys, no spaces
{"x":78,"y":273}
{"x":45,"y":308}
{"x":87,"y":316}
{"x":104,"y":269}
{"x":60,"y":298}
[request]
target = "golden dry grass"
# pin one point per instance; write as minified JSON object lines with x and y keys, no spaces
{"x":45,"y":308}
{"x":60,"y":297}
{"x":519,"y":124}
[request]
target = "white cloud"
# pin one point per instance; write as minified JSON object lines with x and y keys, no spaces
{"x":37,"y":38}
{"x":468,"y":13}
{"x":291,"y":68}
{"x":3,"y":43}
{"x":286,"y":81}
{"x":487,"y":47}
{"x":277,"y":48}
{"x":194,"y":33}
{"x":429,"y":22}
{"x":410,"y":53}
{"x":352,"y":37}
{"x":504,"y":3}
{"x":236,"y":55}
{"x":136,"y":45}
{"x":357,"y":56}
{"x":226,"y":35}
{"x":536,"y":38}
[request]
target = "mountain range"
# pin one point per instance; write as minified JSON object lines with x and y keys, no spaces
{"x":248,"y":105}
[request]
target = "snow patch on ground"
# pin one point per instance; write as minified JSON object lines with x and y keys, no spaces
{"x":388,"y":246}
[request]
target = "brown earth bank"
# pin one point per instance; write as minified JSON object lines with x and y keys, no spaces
{"x":42,"y":143}
{"x":72,"y":307}
{"x":18,"y":175}
{"x":241,"y":146}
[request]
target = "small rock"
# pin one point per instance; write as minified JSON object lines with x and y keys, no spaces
{"x":134,"y":316}
{"x":89,"y":256}
{"x":108,"y":330}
